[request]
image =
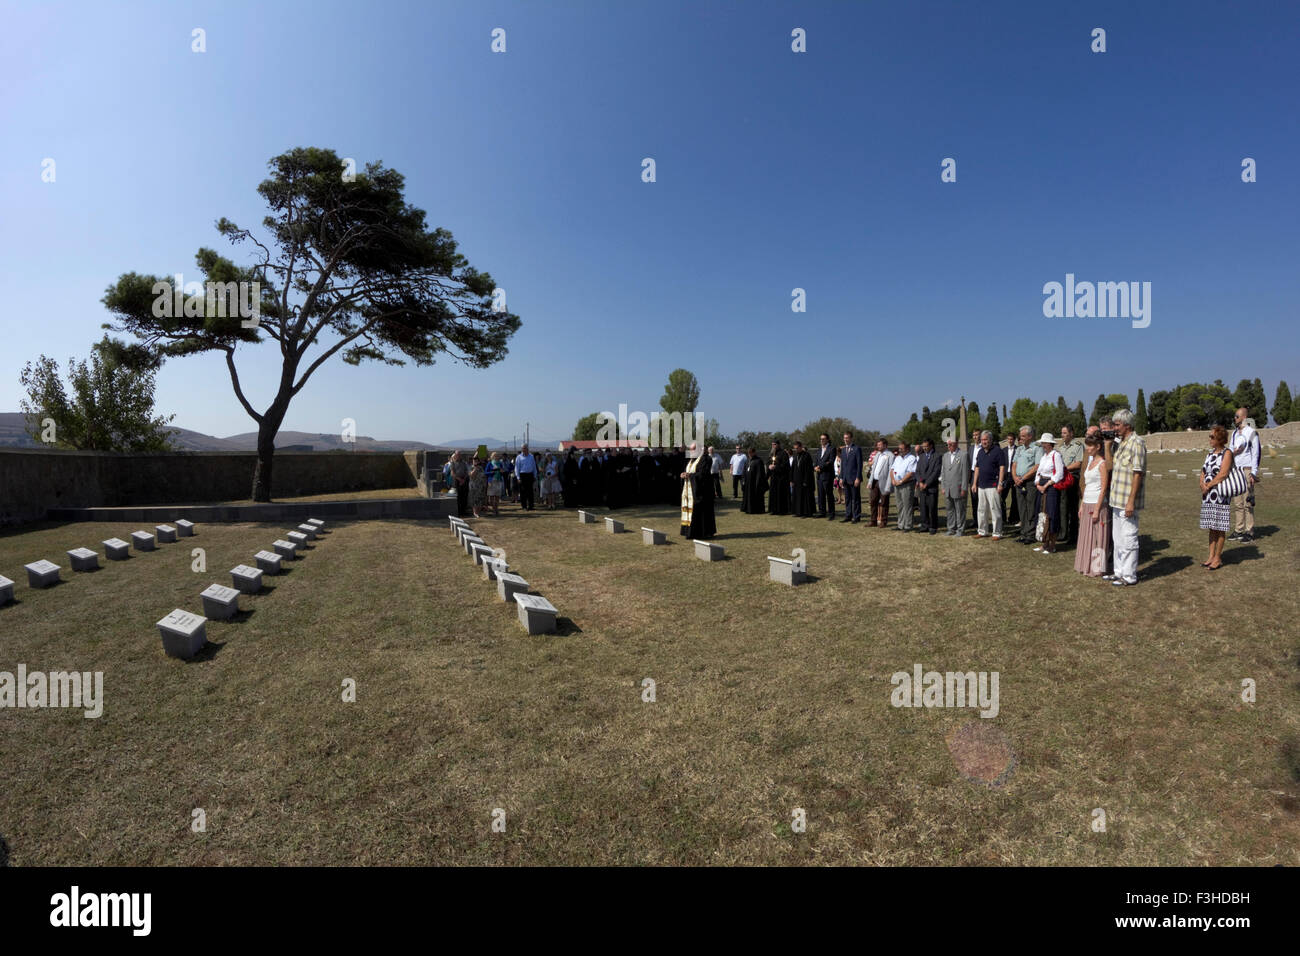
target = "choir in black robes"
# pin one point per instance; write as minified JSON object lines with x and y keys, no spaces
{"x":570,"y":485}
{"x":803,"y":502}
{"x":697,"y":499}
{"x":778,"y":480}
{"x":754,"y":485}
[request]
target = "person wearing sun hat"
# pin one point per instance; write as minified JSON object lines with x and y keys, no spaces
{"x":1051,"y":469}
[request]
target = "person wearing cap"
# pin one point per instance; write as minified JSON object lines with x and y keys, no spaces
{"x":1051,"y":469}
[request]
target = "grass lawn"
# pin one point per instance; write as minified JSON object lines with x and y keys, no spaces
{"x":767,"y":698}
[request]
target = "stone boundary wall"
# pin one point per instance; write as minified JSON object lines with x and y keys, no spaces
{"x":1279,"y":436}
{"x":33,"y":481}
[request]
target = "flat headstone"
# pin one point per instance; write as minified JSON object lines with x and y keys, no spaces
{"x":613,"y":526}
{"x":41,"y":574}
{"x":83,"y":559}
{"x":318,"y":522}
{"x":586,"y":517}
{"x":166,"y":533}
{"x":536,"y":614}
{"x":268,"y":562}
{"x":286,"y":549}
{"x":6,"y":590}
{"x":183,"y":634}
{"x":708,"y":551}
{"x":142,"y":540}
{"x":469,"y":540}
{"x":246,"y":579}
{"x":185,"y":528}
{"x":510,"y":584}
{"x":480,"y":553}
{"x":460,"y":531}
{"x":220,"y":603}
{"x":298,"y":538}
{"x":651,"y":536}
{"x":490,"y":569}
{"x":453,"y":523}
{"x":116,"y":549}
{"x":783,"y":571}
{"x":309,"y":530}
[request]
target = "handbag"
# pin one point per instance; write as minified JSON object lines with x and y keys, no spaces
{"x":1233,"y":485}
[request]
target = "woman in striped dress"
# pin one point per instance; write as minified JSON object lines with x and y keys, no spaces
{"x":1215,"y":504}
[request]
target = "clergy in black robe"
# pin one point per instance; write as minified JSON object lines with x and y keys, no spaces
{"x":697,"y":497}
{"x":754,"y":485}
{"x":803,"y":502}
{"x":570,"y":486}
{"x":778,"y":480}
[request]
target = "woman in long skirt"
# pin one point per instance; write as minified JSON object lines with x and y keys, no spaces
{"x":1093,"y":549}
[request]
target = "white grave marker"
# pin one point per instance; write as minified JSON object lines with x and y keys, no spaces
{"x":116,"y":549}
{"x":142,"y":540}
{"x":83,"y":559}
{"x":41,"y":574}
{"x":166,"y":533}
{"x":220,"y":603}
{"x":183,"y":634}
{"x":536,"y":614}
{"x":246,"y":579}
{"x":268,"y":562}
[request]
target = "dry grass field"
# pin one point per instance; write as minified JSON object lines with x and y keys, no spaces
{"x":767,"y":699}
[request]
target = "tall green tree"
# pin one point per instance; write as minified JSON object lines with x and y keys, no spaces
{"x":1282,"y":403}
{"x":1156,"y":410}
{"x":587,"y":427}
{"x":1250,"y":396}
{"x":682,"y":393}
{"x":991,"y":421}
{"x":1079,"y":419}
{"x":1106,"y":404}
{"x":108,"y":405}
{"x":1140,"y":415}
{"x":346,"y":267}
{"x":832,"y":427}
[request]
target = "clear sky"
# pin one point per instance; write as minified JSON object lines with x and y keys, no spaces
{"x":775,"y":170}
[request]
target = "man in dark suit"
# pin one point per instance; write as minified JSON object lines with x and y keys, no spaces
{"x":927,"y":486}
{"x":850,"y":478}
{"x":824,"y":466}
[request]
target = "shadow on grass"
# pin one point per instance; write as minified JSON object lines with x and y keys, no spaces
{"x":1241,"y":554}
{"x":565,"y":627}
{"x":1165,"y":566}
{"x":240,"y":616}
{"x":208,"y":651}
{"x":1265,"y":531}
{"x":737,"y":535}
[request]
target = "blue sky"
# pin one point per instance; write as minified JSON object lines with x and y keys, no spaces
{"x":775,"y":170}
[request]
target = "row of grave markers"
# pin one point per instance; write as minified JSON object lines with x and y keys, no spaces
{"x":791,"y":571}
{"x":184,"y":633}
{"x":536,"y":614}
{"x":45,"y":573}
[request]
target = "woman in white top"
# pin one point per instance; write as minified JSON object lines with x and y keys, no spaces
{"x":1090,"y":556}
{"x":552,"y":481}
{"x":839,"y":489}
{"x":1051,"y":469}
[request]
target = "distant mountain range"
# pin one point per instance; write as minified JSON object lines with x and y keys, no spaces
{"x":14,"y":434}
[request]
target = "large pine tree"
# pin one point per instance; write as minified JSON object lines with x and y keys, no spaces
{"x":1282,"y":404}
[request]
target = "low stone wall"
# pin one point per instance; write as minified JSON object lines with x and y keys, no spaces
{"x":1279,"y":436}
{"x":33,"y":481}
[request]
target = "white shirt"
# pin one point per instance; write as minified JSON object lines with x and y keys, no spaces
{"x":1245,"y":449}
{"x":1091,"y":482}
{"x":717,"y":463}
{"x":903,"y":465}
{"x":880,"y":467}
{"x":1051,"y":469}
{"x":738,"y":463}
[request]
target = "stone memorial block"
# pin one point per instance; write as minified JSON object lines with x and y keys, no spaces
{"x":166,"y":533}
{"x":490,"y":569}
{"x":220,"y":603}
{"x":116,"y":549}
{"x":469,"y":540}
{"x":708,"y":551}
{"x":142,"y":540}
{"x":246,"y":579}
{"x":286,"y":549}
{"x":6,"y":590}
{"x":268,"y":562}
{"x":613,"y":526}
{"x":183,"y":634}
{"x":83,"y":559}
{"x":453,"y":523}
{"x":309,"y":530}
{"x":185,"y":528}
{"x":783,"y":571}
{"x":480,"y":553}
{"x":509,"y":585}
{"x":536,"y":614}
{"x":586,"y":517}
{"x":41,"y":574}
{"x":318,"y":522}
{"x":298,"y":538}
{"x":651,"y":536}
